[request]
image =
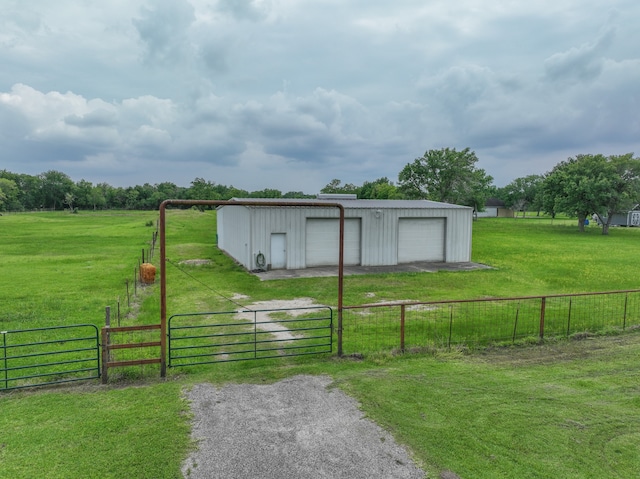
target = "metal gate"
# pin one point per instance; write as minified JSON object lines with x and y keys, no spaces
{"x":203,"y":338}
{"x":42,"y":356}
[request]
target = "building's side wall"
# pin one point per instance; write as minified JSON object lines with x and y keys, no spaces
{"x":233,"y":230}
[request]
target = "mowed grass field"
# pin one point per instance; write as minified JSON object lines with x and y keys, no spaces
{"x":562,"y":409}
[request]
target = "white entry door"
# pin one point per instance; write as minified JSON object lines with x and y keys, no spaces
{"x":278,"y":251}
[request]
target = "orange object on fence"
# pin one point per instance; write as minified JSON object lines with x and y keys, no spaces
{"x":147,"y":273}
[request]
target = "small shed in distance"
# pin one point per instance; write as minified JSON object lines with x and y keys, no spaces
{"x":377,"y":233}
{"x":495,"y":208}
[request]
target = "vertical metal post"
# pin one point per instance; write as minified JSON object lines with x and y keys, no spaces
{"x":163,"y":293}
{"x":340,"y":279}
{"x":515,"y":324}
{"x":624,"y":318}
{"x":569,"y":317}
{"x":105,"y":345}
{"x":402,"y":311}
{"x":450,"y":325}
{"x":543,"y":307}
{"x":4,"y":359}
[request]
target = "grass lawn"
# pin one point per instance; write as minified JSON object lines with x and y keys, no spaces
{"x":564,"y":409}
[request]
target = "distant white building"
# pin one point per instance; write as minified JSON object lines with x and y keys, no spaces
{"x":377,"y":233}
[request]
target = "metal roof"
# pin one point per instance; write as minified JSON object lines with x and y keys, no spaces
{"x":354,"y":203}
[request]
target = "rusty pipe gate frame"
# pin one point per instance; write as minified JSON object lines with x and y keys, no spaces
{"x":163,"y":258}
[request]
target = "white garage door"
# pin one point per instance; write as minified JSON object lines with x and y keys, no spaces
{"x":323,"y":236}
{"x":420,"y":239}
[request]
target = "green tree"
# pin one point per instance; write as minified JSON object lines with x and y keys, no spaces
{"x":336,"y":187}
{"x":69,"y":199}
{"x":523,"y":194}
{"x":83,"y":192}
{"x":55,"y":185}
{"x":296,"y":195}
{"x":98,"y":197}
{"x":592,"y":184}
{"x":202,"y":189}
{"x":380,"y":189}
{"x":624,"y":190}
{"x":9,"y":195}
{"x":266,"y":193}
{"x":446,"y":175}
{"x":29,"y":195}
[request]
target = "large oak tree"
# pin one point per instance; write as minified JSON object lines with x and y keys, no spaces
{"x":446,"y":175}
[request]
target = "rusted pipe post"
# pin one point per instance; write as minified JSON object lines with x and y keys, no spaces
{"x":543,"y":307}
{"x":340,"y":279}
{"x":402,"y":311}
{"x":163,"y":293}
{"x":450,"y":326}
{"x":105,"y":344}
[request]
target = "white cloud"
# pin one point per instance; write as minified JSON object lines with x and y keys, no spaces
{"x":318,"y":90}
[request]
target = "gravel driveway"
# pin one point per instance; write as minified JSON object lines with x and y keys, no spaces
{"x":295,"y":428}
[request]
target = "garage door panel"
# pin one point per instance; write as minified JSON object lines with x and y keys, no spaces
{"x":322,"y":241}
{"x":421,"y":239}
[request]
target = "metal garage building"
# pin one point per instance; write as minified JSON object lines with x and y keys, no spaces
{"x":377,"y":233}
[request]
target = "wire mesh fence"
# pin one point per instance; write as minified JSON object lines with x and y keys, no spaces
{"x":443,"y":324}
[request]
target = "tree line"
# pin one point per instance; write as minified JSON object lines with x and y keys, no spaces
{"x":580,"y":186}
{"x":54,"y":190}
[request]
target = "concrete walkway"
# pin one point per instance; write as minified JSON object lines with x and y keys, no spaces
{"x":418,"y":267}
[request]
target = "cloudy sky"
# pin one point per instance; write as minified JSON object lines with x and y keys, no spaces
{"x":290,"y":94}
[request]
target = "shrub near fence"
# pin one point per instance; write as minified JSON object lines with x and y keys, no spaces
{"x":481,"y":322}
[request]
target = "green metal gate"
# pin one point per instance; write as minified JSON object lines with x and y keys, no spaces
{"x":203,"y":338}
{"x":53,"y":355}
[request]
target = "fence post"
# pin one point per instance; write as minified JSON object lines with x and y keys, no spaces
{"x":402,"y":310}
{"x":450,"y":325}
{"x":515,"y":325}
{"x":569,"y":317}
{"x":624,"y":318}
{"x":105,"y":344}
{"x":126,"y":282}
{"x":543,"y":306}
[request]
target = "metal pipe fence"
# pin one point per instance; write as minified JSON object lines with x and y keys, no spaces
{"x":126,"y":346}
{"x":481,"y":322}
{"x":45,"y":356}
{"x":205,"y":338}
